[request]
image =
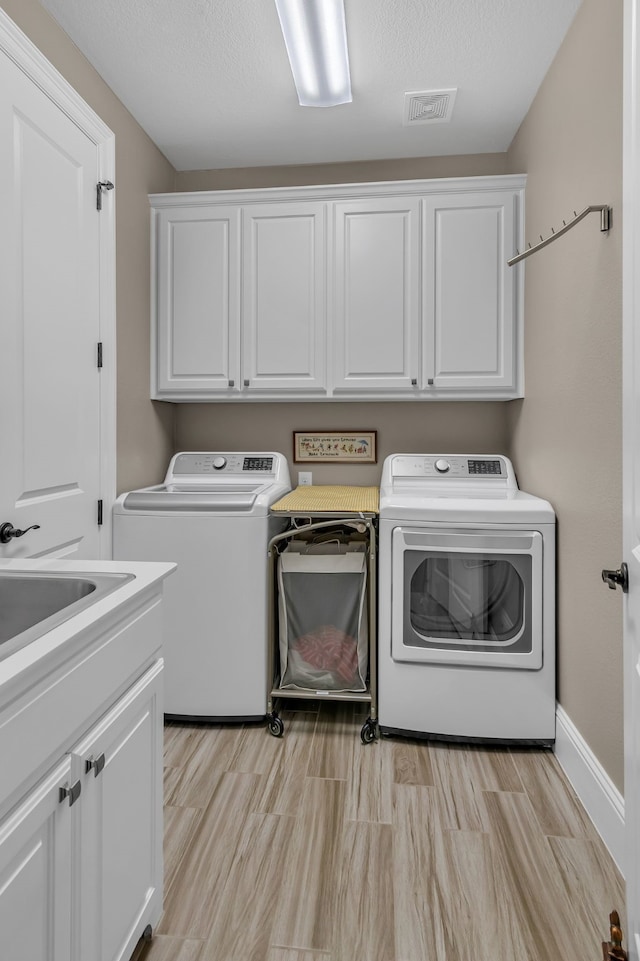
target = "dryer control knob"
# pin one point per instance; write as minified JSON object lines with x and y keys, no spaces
{"x":219,"y":463}
{"x":442,"y":466}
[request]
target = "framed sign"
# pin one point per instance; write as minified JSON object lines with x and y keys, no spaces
{"x":335,"y":446}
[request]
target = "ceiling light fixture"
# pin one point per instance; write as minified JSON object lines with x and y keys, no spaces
{"x":315,"y":35}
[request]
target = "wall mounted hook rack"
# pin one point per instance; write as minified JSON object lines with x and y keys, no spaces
{"x":605,"y":223}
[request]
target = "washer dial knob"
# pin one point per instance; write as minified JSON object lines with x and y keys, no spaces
{"x":219,"y":463}
{"x":442,"y":465}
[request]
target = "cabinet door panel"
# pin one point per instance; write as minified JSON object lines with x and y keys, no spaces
{"x":283,"y":296}
{"x":470,"y":291}
{"x":377,"y":302}
{"x":198,"y":303}
{"x":35,"y":874}
{"x":121,"y":821}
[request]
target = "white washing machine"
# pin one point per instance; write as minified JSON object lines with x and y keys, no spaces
{"x":466,"y":628}
{"x":211,"y":516}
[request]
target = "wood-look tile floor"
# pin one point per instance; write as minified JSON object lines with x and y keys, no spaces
{"x":315,"y":847}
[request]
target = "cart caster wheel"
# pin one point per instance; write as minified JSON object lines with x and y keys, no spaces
{"x":368,"y":732}
{"x":276,"y":727}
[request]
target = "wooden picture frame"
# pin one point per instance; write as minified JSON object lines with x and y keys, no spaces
{"x":335,"y":447}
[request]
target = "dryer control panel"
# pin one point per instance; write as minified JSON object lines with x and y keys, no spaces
{"x":450,"y":465}
{"x":443,"y":472}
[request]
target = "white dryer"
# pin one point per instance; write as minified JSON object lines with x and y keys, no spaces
{"x":212,"y":516}
{"x":466,"y":628}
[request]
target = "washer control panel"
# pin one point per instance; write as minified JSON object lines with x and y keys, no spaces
{"x":474,"y":467}
{"x":212,"y":463}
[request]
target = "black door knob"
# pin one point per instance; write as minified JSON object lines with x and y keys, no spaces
{"x":619,"y":578}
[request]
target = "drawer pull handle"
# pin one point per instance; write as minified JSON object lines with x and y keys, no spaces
{"x":94,"y":764}
{"x":72,"y":792}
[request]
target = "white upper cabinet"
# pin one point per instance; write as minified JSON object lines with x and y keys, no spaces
{"x":393,"y":291}
{"x":469,"y":292}
{"x":283,"y":296}
{"x":376,"y":294}
{"x":197,"y":299}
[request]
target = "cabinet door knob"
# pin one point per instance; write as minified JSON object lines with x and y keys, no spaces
{"x":246,"y":383}
{"x":232,"y":383}
{"x":70,"y":791}
{"x":414,"y":381}
{"x":94,"y":764}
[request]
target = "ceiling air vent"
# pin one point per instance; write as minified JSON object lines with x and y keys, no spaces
{"x":428,"y":106}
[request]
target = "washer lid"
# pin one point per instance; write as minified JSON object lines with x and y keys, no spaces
{"x":176,"y":497}
{"x":214,"y":482}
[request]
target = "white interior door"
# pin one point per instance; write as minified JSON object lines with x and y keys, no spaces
{"x":631,"y":468}
{"x":50,"y":271}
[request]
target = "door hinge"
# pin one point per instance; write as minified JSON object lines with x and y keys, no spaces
{"x":100,"y":187}
{"x":99,"y":513}
{"x":99,"y":357}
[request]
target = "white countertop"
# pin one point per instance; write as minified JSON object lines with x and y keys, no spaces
{"x":146,"y":574}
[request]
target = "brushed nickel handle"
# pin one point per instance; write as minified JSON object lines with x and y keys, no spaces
{"x":95,"y":764}
{"x":70,"y":791}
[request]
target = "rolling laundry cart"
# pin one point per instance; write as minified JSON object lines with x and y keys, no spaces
{"x":323,"y":570}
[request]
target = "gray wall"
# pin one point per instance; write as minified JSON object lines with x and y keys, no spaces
{"x":566,"y":433}
{"x":403,"y":426}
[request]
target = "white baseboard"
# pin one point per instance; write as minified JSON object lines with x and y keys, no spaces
{"x":598,"y":794}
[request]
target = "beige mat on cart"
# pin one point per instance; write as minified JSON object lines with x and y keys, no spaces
{"x":335,"y":499}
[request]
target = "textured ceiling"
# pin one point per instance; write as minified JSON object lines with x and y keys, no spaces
{"x":209,"y":80}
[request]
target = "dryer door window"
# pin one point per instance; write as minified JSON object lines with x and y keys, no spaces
{"x":467,"y":597}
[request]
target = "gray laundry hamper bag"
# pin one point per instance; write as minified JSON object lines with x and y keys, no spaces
{"x":323,"y":630}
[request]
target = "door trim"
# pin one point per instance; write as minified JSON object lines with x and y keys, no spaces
{"x":20,"y":49}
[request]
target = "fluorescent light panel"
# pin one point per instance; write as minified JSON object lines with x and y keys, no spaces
{"x":315,"y":35}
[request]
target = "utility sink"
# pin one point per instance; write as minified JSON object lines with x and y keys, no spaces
{"x":33,"y":603}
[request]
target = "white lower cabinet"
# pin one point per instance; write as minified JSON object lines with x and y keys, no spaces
{"x":81,"y":855}
{"x":36,"y":873}
{"x":119,"y":824}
